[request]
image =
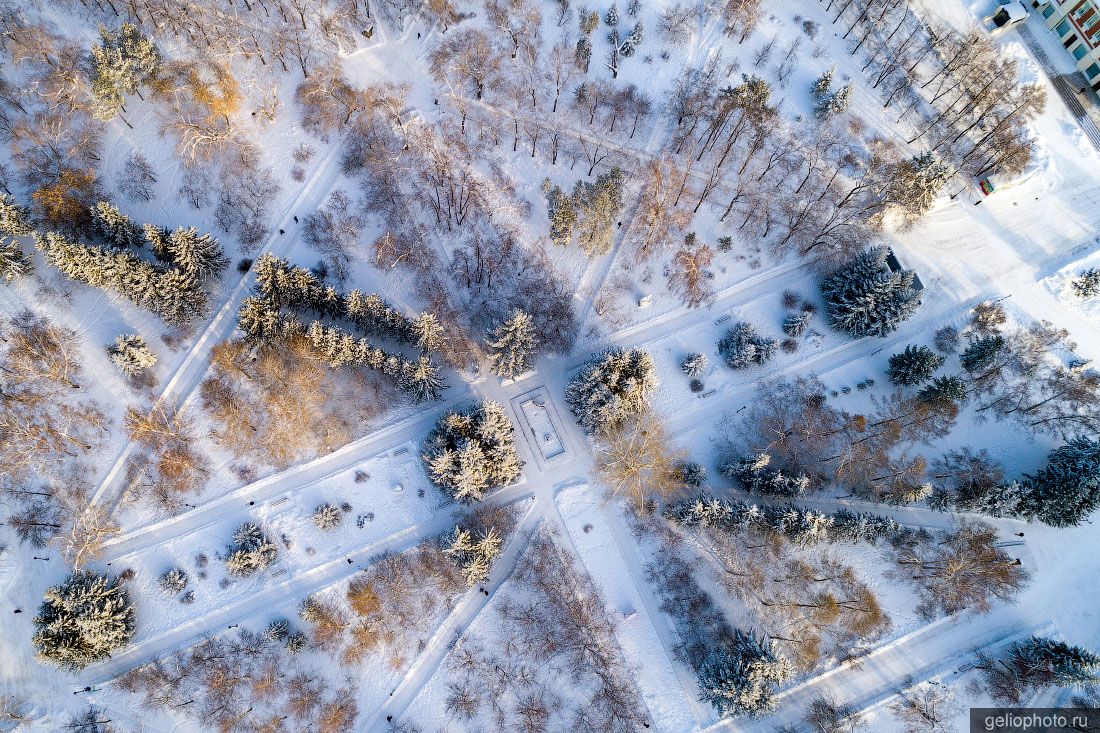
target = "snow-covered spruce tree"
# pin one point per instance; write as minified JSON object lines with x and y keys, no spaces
{"x":14,"y":222}
{"x":834,"y":104}
{"x":470,"y":453}
{"x":116,"y":229}
{"x":823,"y":84}
{"x":597,"y":207}
{"x":474,"y":555}
{"x":583,"y":56}
{"x":1042,"y":662}
{"x":692,"y":473}
{"x":694,"y":365}
{"x":421,"y":381}
{"x":13,"y":263}
{"x":561,"y":208}
{"x":173,"y":581}
{"x":83,"y":620}
{"x":261,"y":321}
{"x":915,"y":184}
{"x":981,"y":353}
{"x":131,"y":354}
{"x":513,"y":343}
{"x":327,"y":517}
{"x":121,"y":63}
{"x":796,"y":324}
{"x":1000,"y":500}
{"x":428,"y":334}
{"x":1087,"y":284}
{"x":611,"y":18}
{"x":633,"y":40}
{"x":610,"y":388}
{"x":742,"y":347}
{"x":755,"y":474}
{"x":199,"y":256}
{"x":864,"y":298}
{"x":1035,"y":664}
{"x":278,"y":630}
{"x":171,"y":294}
{"x":914,"y":365}
{"x":1067,"y":490}
{"x":740,"y":677}
{"x":250,"y":552}
{"x":943,"y":390}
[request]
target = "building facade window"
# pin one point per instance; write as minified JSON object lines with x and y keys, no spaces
{"x":1062,"y":28}
{"x":1093,"y":71}
{"x":1079,"y":51}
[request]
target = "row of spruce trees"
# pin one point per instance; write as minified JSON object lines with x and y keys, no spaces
{"x":171,"y":283}
{"x":283,"y":290}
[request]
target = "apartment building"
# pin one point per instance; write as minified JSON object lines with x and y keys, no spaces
{"x":1077,"y":23}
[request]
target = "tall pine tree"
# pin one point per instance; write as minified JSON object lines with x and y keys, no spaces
{"x":513,"y":344}
{"x":1065,"y":492}
{"x":915,"y":365}
{"x":122,"y":62}
{"x":83,"y":620}
{"x":866,"y":298}
{"x":14,"y":223}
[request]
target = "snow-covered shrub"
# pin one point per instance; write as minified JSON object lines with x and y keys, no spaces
{"x":174,"y":581}
{"x":326,"y":517}
{"x":468,"y":454}
{"x":741,"y":676}
{"x":865,"y":298}
{"x":131,"y":354}
{"x":755,"y":474}
{"x":83,"y":620}
{"x":1087,"y":284}
{"x":946,"y":340}
{"x":914,"y":365}
{"x":694,"y":365}
{"x":250,"y":552}
{"x":610,"y":388}
{"x":742,"y":347}
{"x":988,"y":317}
